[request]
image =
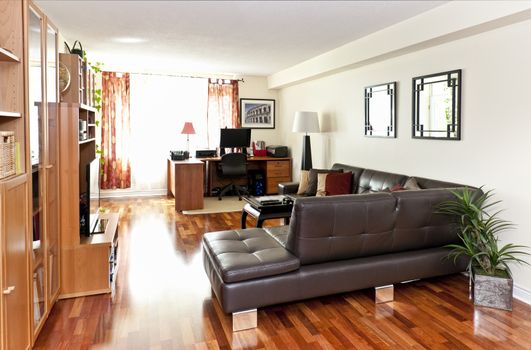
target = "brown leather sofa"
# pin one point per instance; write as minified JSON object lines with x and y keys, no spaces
{"x":334,"y":244}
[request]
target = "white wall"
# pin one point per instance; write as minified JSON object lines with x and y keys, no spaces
{"x":256,"y":87}
{"x":496,"y":115}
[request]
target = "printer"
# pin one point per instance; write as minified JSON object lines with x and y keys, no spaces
{"x":277,"y":151}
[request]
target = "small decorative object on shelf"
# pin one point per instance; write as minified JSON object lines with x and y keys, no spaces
{"x":7,"y":153}
{"x":64,"y":77}
{"x":75,"y":50}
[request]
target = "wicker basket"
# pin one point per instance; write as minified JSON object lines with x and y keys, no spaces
{"x":7,"y":154}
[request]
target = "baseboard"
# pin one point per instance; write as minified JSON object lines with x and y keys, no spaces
{"x":132,"y":193}
{"x":522,"y":294}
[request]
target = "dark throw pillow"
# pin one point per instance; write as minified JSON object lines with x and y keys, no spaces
{"x":397,"y":188}
{"x":312,"y":179}
{"x":338,"y":183}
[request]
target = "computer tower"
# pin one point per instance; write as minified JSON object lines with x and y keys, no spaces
{"x":256,"y":182}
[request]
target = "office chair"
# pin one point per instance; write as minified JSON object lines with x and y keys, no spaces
{"x":233,"y":165}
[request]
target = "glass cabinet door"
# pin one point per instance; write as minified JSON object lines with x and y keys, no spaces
{"x":52,"y":175}
{"x":36,"y":121}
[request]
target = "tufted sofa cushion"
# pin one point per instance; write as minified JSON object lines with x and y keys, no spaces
{"x":375,"y":181}
{"x":239,"y":255}
{"x":345,"y":227}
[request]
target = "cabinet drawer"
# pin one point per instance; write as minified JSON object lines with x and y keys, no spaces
{"x":278,"y":168}
{"x":272,"y":183}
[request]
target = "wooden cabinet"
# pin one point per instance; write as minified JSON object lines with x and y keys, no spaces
{"x":90,"y":266}
{"x":277,"y":171}
{"x":43,"y":161}
{"x":87,"y":263}
{"x":14,"y":283}
{"x":185,"y":182}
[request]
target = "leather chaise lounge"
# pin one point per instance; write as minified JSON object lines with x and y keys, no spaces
{"x":333,"y":245}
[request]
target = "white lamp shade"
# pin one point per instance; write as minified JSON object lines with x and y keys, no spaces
{"x":306,"y":122}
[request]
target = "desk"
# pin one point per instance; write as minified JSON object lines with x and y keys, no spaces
{"x":185,"y":182}
{"x":276,"y":170}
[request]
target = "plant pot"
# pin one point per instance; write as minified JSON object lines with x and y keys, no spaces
{"x":491,"y":291}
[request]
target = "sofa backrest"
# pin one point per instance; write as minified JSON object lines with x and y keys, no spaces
{"x":345,"y":227}
{"x":375,"y":181}
{"x":430,"y":183}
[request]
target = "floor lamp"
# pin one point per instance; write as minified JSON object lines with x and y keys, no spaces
{"x":306,"y":122}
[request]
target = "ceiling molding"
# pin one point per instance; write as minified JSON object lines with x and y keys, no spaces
{"x":454,"y":21}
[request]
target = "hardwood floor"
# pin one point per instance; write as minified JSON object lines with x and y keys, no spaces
{"x":163,"y":301}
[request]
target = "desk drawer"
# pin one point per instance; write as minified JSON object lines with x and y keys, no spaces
{"x":279,"y":168}
{"x":272,"y":183}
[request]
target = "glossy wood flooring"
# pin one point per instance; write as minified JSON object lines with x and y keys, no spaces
{"x":163,"y":301}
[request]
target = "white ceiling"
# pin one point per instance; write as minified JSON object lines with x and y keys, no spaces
{"x":223,"y":37}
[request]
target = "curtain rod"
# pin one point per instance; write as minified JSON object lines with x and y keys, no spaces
{"x":179,"y":76}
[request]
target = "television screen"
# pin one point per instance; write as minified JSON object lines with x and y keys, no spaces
{"x":94,"y":186}
{"x":230,"y":138}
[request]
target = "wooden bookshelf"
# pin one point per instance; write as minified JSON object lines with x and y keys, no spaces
{"x":88,"y":264}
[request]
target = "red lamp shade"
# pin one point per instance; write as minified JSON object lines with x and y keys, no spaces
{"x":188,"y":128}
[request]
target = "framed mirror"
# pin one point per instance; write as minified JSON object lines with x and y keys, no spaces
{"x":437,"y":106}
{"x":380,"y":110}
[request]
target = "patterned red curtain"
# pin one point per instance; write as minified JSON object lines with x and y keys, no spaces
{"x":115,"y":131}
{"x":222,"y":109}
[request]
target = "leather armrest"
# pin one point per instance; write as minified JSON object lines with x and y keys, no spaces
{"x":288,"y":187}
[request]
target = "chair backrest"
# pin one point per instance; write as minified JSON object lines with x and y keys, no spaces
{"x":233,"y":164}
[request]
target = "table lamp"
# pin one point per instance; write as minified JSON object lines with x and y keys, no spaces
{"x":188,"y":129}
{"x":306,"y":122}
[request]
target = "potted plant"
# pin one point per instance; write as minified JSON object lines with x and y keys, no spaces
{"x":488,"y":266}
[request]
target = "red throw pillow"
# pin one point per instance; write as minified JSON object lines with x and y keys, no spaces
{"x":397,"y":188}
{"x":338,"y":183}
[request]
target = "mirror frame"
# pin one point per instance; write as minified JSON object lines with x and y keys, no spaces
{"x":454,"y":80}
{"x":391,"y":92}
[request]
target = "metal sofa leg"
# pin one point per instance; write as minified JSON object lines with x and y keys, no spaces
{"x":244,"y":320}
{"x":384,"y":294}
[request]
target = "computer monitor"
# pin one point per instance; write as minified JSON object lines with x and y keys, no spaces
{"x":230,"y":138}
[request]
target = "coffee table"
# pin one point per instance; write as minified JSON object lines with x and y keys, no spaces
{"x":265,"y":210}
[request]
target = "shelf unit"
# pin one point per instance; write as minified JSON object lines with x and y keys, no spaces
{"x":88,"y":264}
{"x":15,"y":247}
{"x":12,"y":89}
{"x":81,"y":88}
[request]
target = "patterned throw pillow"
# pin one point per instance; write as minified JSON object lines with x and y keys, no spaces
{"x":303,"y":183}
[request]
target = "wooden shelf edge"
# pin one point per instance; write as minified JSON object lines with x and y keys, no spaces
{"x":11,"y":177}
{"x":10,"y":114}
{"x":7,"y":56}
{"x":84,"y":294}
{"x":87,"y":141}
{"x":87,"y":107}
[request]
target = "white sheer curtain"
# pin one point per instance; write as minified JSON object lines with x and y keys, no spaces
{"x":160,"y":105}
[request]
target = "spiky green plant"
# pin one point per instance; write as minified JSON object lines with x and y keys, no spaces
{"x":478,"y":231}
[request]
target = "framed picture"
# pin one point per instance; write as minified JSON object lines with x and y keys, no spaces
{"x":257,"y":113}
